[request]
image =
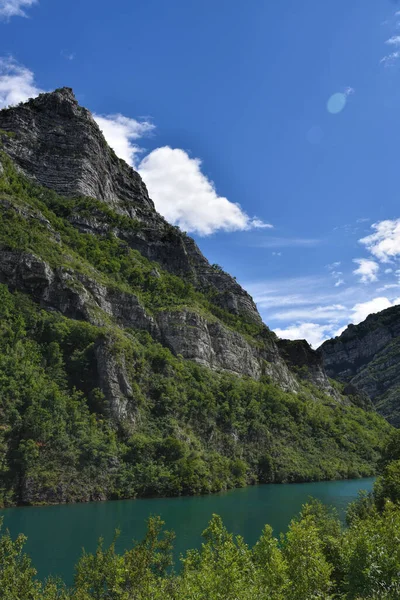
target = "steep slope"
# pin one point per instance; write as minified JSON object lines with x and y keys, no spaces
{"x":128,"y":364}
{"x":368,"y":356}
{"x":57,"y":143}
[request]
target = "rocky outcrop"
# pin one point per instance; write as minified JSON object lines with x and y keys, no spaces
{"x":113,"y":380}
{"x":185,"y":332}
{"x":306,"y":362}
{"x":368,"y":356}
{"x":57,"y":142}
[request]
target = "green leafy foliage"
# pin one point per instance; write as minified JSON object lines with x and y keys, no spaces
{"x":107,"y":258}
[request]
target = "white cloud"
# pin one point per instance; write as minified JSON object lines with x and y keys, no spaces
{"x":367,"y":270}
{"x":390,"y":59}
{"x":186,"y":197}
{"x":314,"y":333}
{"x":296,"y":291}
{"x":317,"y":333}
{"x":14,"y":8}
{"x":339,"y":282}
{"x":384,"y":243}
{"x":394,"y":40}
{"x":337,"y":275}
{"x":281,"y":242}
{"x":333,"y":312}
{"x":361,"y":311}
{"x":388,"y":286}
{"x":17,"y":83}
{"x":310,"y":308}
{"x":121,"y":132}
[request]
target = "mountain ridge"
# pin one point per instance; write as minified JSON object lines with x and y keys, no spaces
{"x":131,"y":365}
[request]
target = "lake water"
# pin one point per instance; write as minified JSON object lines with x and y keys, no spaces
{"x":57,"y":534}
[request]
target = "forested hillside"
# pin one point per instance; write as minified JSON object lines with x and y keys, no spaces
{"x":129,"y":365}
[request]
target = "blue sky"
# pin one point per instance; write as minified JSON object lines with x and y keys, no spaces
{"x":224,"y":103}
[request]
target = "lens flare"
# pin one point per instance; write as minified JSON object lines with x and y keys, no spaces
{"x":336,"y":103}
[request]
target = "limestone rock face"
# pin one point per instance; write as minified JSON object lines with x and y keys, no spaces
{"x":114,"y":383}
{"x":368,"y":356}
{"x":208,"y":343}
{"x":57,"y":143}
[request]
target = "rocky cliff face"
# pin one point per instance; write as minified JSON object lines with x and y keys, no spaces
{"x":368,"y":356}
{"x":56,"y":143}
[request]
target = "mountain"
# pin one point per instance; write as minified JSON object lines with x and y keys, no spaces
{"x":367,"y":356}
{"x":129,"y":365}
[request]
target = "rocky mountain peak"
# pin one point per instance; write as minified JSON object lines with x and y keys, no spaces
{"x":58,"y":143}
{"x":61,"y":100}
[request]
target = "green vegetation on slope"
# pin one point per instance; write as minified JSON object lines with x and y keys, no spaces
{"x":196,"y":431}
{"x":106,"y":258}
{"x":193,"y":430}
{"x":316,"y":558}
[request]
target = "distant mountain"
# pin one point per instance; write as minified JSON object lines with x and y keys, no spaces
{"x":129,"y":365}
{"x":368,"y":356}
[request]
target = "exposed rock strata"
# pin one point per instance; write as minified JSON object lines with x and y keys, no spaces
{"x":57,"y":143}
{"x":186,"y":333}
{"x":368,"y":356}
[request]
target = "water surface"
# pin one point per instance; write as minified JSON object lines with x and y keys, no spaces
{"x":57,"y":534}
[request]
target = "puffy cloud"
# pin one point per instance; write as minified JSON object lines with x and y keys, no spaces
{"x":186,"y":197}
{"x":384,"y":243}
{"x":17,"y":83}
{"x":367,"y":270}
{"x":121,"y":133}
{"x":361,"y":311}
{"x":14,"y":8}
{"x":314,"y":333}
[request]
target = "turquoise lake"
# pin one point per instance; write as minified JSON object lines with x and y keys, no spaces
{"x":57,"y":534}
